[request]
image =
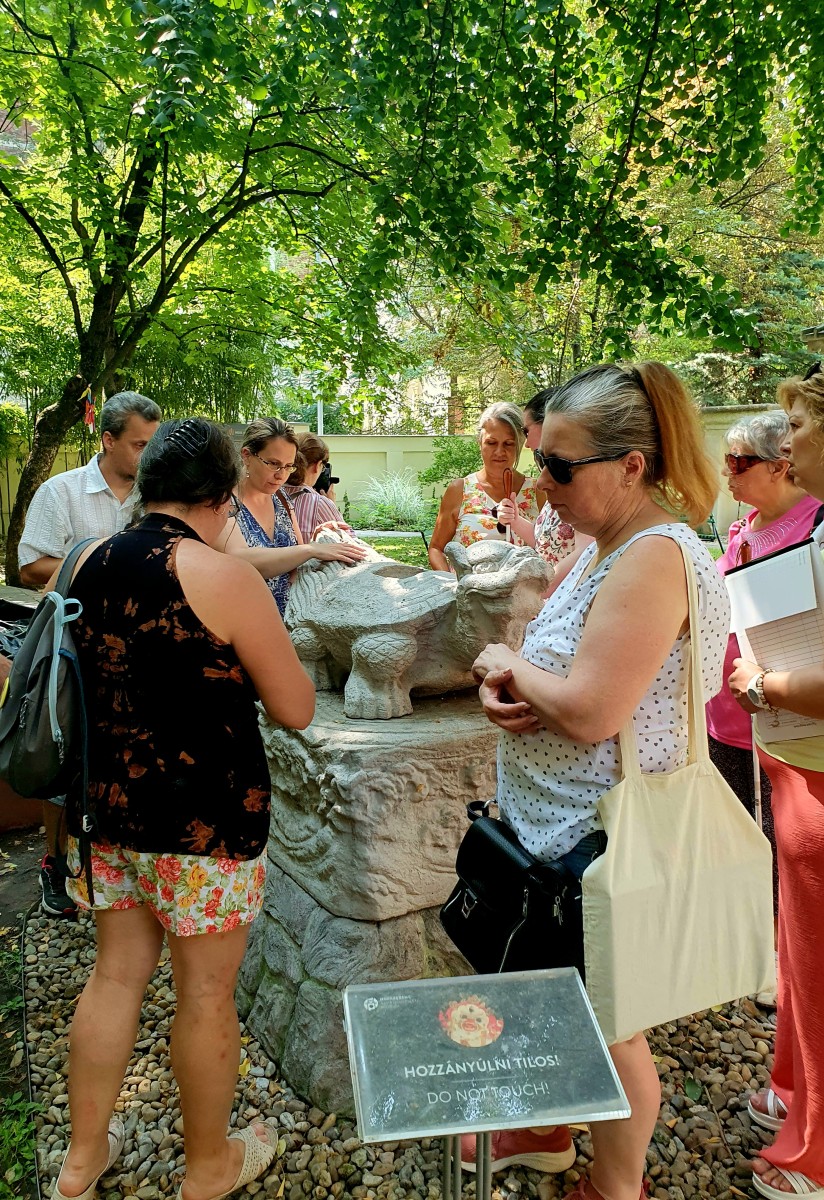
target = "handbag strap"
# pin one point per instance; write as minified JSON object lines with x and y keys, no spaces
{"x":697,"y":745}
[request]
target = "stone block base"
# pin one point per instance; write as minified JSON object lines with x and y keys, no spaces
{"x":367,"y":817}
{"x":299,"y":960}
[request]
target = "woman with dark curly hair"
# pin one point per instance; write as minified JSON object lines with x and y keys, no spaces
{"x":172,"y":666}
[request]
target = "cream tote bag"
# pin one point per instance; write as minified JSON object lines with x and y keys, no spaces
{"x":678,"y":911}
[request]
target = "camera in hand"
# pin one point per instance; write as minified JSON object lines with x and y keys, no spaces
{"x":325,"y":480}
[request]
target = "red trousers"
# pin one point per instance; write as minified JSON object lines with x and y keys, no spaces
{"x":798,"y":1074}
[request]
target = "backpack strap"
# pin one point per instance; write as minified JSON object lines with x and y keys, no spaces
{"x":62,"y":586}
{"x":67,"y":569}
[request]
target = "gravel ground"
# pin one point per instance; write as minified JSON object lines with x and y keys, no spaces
{"x":701,"y":1147}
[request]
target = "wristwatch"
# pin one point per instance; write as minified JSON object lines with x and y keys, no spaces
{"x":755,"y":691}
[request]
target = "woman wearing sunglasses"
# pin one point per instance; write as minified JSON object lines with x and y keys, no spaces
{"x":622,"y":456}
{"x":781,"y":514}
{"x":469,"y":507}
{"x":793,"y":1105}
{"x":265,"y":531}
{"x":553,"y":538}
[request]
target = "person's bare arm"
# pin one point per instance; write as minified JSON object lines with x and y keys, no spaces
{"x":445,"y":525}
{"x":800,"y":691}
{"x":231,"y":599}
{"x":273,"y":562}
{"x":631,"y":628}
{"x":39,"y":572}
{"x":521,"y":526}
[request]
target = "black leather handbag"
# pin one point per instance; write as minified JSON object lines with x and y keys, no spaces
{"x":510,"y":912}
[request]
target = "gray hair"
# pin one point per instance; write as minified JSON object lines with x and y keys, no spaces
{"x":762,"y":435}
{"x":118,"y":408}
{"x":612,"y":405}
{"x":511,"y":415}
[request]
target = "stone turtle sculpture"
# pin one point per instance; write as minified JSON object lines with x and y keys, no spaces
{"x":389,"y":629}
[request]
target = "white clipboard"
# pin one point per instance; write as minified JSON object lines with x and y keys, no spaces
{"x":777,"y":605}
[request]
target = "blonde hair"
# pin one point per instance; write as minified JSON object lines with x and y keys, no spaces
{"x":645,"y":407}
{"x":511,"y":415}
{"x":809,"y":391}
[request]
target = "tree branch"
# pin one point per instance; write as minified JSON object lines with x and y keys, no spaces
{"x":349,"y":168}
{"x":186,"y":253}
{"x":52,"y":254}
{"x":636,"y":109}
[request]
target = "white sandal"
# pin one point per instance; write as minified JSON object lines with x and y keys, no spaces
{"x":117,"y":1136}
{"x":802,"y":1186}
{"x":258,"y":1154}
{"x":774,"y":1117}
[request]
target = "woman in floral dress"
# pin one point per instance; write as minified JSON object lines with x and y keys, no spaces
{"x":469,"y":509}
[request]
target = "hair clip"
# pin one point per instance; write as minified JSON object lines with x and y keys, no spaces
{"x":815,"y":369}
{"x":190,"y":437}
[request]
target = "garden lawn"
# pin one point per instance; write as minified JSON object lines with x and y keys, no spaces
{"x":405,"y":550}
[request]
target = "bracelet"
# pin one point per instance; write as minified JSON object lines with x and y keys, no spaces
{"x":759,"y":687}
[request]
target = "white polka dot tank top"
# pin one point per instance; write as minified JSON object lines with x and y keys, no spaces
{"x":548,"y":785}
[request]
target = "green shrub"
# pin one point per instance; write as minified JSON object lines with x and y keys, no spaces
{"x":393,"y":502}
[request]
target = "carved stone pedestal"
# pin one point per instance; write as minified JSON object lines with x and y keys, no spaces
{"x":366,"y":821}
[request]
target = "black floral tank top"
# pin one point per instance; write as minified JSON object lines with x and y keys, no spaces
{"x":176,"y":762}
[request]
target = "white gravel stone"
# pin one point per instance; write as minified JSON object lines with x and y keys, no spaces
{"x":700,"y":1149}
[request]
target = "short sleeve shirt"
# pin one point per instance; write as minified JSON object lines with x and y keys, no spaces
{"x":549,"y":785}
{"x":69,"y":508}
{"x":312,"y":509}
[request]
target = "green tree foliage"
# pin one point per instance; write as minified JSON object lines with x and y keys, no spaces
{"x":454,"y":457}
{"x":515,"y":143}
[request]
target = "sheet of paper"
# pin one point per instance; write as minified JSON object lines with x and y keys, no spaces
{"x":772,"y":588}
{"x":778,"y":616}
{"x":796,"y":641}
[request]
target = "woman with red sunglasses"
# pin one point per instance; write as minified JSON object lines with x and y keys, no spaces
{"x":793,"y":1104}
{"x":781,"y":514}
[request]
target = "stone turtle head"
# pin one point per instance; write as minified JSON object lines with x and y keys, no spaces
{"x":500,"y":588}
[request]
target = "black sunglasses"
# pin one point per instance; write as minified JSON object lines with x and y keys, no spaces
{"x":815,"y":369}
{"x":561,"y":468}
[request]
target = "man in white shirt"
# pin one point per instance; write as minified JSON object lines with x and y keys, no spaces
{"x":90,"y":502}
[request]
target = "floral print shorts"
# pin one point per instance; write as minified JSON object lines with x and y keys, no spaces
{"x":188,"y":893}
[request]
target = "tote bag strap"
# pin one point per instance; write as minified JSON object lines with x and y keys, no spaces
{"x":697,"y":746}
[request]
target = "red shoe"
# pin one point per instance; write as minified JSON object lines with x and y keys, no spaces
{"x":550,"y":1152}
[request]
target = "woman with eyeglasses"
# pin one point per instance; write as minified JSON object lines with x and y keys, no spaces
{"x":469,"y":507}
{"x":793,"y":1104}
{"x":781,"y":514}
{"x":622,"y":455}
{"x":265,"y":532}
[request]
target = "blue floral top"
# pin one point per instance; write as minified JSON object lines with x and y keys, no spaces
{"x":255,"y":535}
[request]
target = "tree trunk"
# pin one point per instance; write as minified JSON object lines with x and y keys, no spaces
{"x":52,"y":425}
